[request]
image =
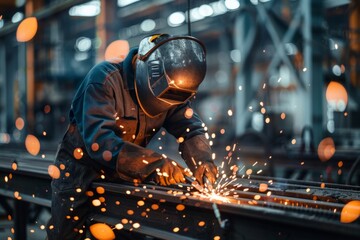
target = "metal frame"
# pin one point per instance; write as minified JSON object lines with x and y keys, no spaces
{"x":306,"y":20}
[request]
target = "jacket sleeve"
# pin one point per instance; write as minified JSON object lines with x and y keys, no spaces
{"x":183,"y":122}
{"x":94,"y":112}
{"x":102,"y":138}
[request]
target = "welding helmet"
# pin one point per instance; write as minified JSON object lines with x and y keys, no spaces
{"x":169,"y":70}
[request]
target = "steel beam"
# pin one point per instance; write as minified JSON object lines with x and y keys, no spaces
{"x":313,"y":56}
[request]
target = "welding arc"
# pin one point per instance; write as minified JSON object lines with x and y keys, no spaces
{"x":194,"y":183}
{"x":191,"y":179}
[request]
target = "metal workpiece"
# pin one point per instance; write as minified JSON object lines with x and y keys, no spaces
{"x":247,"y":207}
{"x":295,"y":210}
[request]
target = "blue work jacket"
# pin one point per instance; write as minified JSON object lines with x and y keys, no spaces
{"x":114,"y":131}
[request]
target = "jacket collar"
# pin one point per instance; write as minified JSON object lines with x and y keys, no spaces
{"x":128,"y":70}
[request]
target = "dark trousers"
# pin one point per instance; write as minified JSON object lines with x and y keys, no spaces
{"x":70,"y":206}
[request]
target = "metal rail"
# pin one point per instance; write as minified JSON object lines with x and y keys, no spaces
{"x":295,"y":209}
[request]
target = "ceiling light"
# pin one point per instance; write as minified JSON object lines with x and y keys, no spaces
{"x":89,"y":9}
{"x":123,"y":3}
{"x":83,"y":44}
{"x":17,"y":17}
{"x":175,"y":19}
{"x":206,"y":10}
{"x":148,"y":25}
{"x":232,"y":4}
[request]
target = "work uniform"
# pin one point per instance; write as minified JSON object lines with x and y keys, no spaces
{"x":106,"y":136}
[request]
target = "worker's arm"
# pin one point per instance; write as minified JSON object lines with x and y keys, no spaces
{"x":195,"y":149}
{"x":95,"y":116}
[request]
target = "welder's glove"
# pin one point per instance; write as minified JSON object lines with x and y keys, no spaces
{"x":206,"y":170}
{"x":169,"y":173}
{"x":138,"y":164}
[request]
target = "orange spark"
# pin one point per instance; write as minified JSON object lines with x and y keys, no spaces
{"x":100,"y":190}
{"x":54,"y":171}
{"x":78,"y":153}
{"x":350,"y":212}
{"x":95,"y":147}
{"x":180,"y":207}
{"x":102,"y":231}
{"x":119,"y":226}
{"x":201,"y":224}
{"x":14,"y":166}
{"x":96,"y":202}
{"x":154,"y":207}
{"x":107,"y":155}
{"x":189,"y":113}
{"x":19,"y":123}
{"x":263,"y":187}
{"x":326,"y":149}
{"x":32,"y":144}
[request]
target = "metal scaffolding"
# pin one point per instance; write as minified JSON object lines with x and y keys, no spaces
{"x":305,"y":23}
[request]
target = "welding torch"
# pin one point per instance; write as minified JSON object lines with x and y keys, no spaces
{"x":194,"y":183}
{"x":192,"y":180}
{"x":198,"y":187}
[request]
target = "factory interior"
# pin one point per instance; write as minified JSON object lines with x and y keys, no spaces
{"x":280,"y":102}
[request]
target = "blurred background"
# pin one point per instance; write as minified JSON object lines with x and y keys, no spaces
{"x":282,"y":90}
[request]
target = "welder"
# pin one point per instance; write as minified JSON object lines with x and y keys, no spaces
{"x":117,"y":109}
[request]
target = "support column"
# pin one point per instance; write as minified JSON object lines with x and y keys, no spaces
{"x":3,"y":123}
{"x":354,"y":40}
{"x":105,"y":31}
{"x":30,"y":8}
{"x":244,"y":33}
{"x":313,"y":56}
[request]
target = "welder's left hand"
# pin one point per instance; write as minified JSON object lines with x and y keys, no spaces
{"x":206,"y":170}
{"x":169,"y":173}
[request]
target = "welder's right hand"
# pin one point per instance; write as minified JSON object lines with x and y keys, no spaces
{"x":169,"y":173}
{"x":206,"y":170}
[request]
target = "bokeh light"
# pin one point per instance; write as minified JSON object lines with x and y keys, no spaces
{"x":14,"y":166}
{"x":78,"y":153}
{"x":180,"y":207}
{"x":19,"y":123}
{"x":117,"y":51}
{"x":107,"y":155}
{"x":26,"y":29}
{"x":350,"y":212}
{"x":201,"y":224}
{"x":96,"y":202}
{"x":263,"y":187}
{"x":102,"y":231}
{"x":54,"y":171}
{"x":336,"y":96}
{"x":326,"y":149}
{"x":119,"y":226}
{"x":95,"y":147}
{"x":100,"y":190}
{"x":189,"y":113}
{"x":32,"y":144}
